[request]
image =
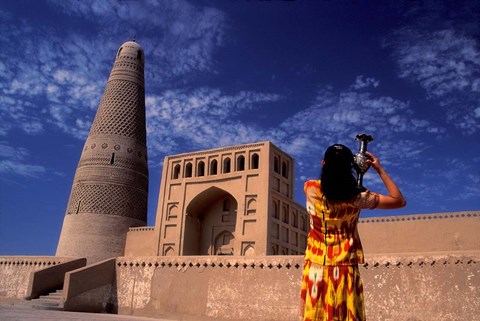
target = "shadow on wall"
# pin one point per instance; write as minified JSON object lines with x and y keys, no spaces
{"x":51,"y":278}
{"x":92,"y":288}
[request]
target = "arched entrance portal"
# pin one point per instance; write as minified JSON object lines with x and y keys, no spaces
{"x":210,"y":224}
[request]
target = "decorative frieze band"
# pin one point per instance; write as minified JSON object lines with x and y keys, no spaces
{"x":31,"y":261}
{"x":292,"y":262}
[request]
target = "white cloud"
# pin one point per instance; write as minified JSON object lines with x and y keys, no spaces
{"x":361,"y":82}
{"x":33,"y":127}
{"x":338,"y":116}
{"x":7,"y":151}
{"x":65,"y":76}
{"x":12,"y":162}
{"x":202,"y":118}
{"x":446,"y":64}
{"x":177,"y":36}
{"x":9,"y":167}
{"x":476,"y":112}
{"x":442,"y":61}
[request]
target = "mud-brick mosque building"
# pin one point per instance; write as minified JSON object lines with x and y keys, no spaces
{"x":228,"y":237}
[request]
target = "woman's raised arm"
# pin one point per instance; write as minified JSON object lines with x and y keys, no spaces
{"x":394,"y":199}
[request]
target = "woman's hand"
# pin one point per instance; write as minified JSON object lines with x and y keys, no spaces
{"x":373,"y":161}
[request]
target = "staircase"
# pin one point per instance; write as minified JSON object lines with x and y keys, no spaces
{"x":50,"y":301}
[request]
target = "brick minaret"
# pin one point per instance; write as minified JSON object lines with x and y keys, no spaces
{"x":110,"y":188}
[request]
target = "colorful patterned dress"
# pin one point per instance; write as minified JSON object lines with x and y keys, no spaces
{"x":332,"y":289}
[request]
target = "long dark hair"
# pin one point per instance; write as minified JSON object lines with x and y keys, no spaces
{"x":337,"y":178}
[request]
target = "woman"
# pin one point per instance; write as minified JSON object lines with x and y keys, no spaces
{"x":331,"y":284}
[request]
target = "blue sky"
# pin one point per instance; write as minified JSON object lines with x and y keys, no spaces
{"x":302,"y":74}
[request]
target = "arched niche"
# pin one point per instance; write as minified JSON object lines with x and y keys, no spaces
{"x":210,"y":215}
{"x":254,"y":161}
{"x":176,"y":171}
{"x":188,"y":170}
{"x":224,"y":243}
{"x":249,"y":250}
{"x":169,"y":251}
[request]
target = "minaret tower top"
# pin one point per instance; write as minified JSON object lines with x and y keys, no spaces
{"x":129,"y":63}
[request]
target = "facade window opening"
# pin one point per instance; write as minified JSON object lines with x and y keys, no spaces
{"x":294,"y":219}
{"x":276,"y":165}
{"x":285,"y":214}
{"x":213,"y":167}
{"x":304,"y":224}
{"x":112,"y":160}
{"x":176,"y":171}
{"x":139,"y":55}
{"x":226,"y":205}
{"x":240,"y":163}
{"x":119,"y":51}
{"x":188,"y":170}
{"x":226,"y":165}
{"x":201,"y":169}
{"x":275,"y":210}
{"x":255,"y":160}
{"x":274,"y":249}
{"x":285,"y":169}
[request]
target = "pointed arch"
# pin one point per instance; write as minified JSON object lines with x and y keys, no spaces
{"x":188,"y":170}
{"x":224,"y":243}
{"x":200,"y":169}
{"x":294,"y":220}
{"x":252,"y":204}
{"x":284,"y":214}
{"x":285,"y":169}
{"x":240,"y":163}
{"x":276,"y":164}
{"x":276,"y":211}
{"x":206,"y":219}
{"x":304,"y":224}
{"x":249,"y":250}
{"x":213,"y":167}
{"x":176,"y":171}
{"x":169,"y":251}
{"x":226,"y":165}
{"x":254,"y":162}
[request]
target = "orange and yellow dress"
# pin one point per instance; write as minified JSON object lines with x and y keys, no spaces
{"x":332,"y":289}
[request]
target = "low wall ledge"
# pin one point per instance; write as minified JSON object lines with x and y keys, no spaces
{"x":406,"y":218}
{"x":141,"y":228}
{"x":33,"y":261}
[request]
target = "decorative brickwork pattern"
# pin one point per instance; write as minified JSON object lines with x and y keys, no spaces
{"x":119,"y":162}
{"x":119,"y":114}
{"x":108,"y":199}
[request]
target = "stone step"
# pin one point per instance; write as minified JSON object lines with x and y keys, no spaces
{"x":53,"y":294}
{"x":51,"y":301}
{"x":43,"y":307}
{"x":46,"y":302}
{"x":52,"y":297}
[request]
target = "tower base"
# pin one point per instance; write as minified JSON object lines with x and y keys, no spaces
{"x":95,"y":237}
